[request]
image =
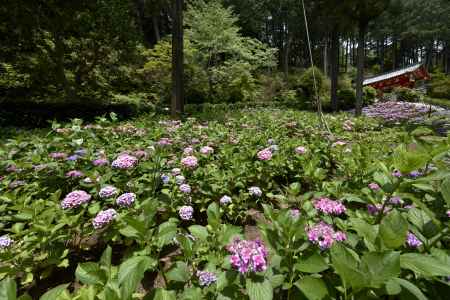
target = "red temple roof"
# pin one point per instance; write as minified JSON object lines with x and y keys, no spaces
{"x":402,"y":77}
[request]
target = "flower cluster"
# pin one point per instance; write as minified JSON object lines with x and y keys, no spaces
{"x":248,"y":256}
{"x":5,"y":242}
{"x":374,"y":186}
{"x":179,"y":179}
{"x":104,"y":217}
{"x":375,"y":209}
{"x":185,"y":188}
{"x":329,"y":207}
{"x":165,"y":178}
{"x":392,"y":111}
{"x":300,"y":150}
{"x":186,"y":212}
{"x":265,"y":154}
{"x":75,"y":199}
{"x":74,"y":174}
{"x":126,"y":199}
{"x":412,"y":240}
{"x":100,"y":162}
{"x":108,"y":191}
{"x":58,"y":155}
{"x":124,"y":161}
{"x":190,"y":162}
{"x":206,"y":150}
{"x":324,"y":236}
{"x":225,"y":200}
{"x":255,"y":191}
{"x":206,"y":278}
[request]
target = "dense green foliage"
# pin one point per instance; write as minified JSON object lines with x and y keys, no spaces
{"x":148,"y":249}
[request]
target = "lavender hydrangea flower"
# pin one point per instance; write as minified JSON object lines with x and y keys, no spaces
{"x":164,"y":142}
{"x":74,"y":174}
{"x":108,"y":192}
{"x":188,"y":150}
{"x":186,"y":212}
{"x":375,"y":209}
{"x":126,"y":199}
{"x":206,"y":150}
{"x":329,"y":207}
{"x":206,"y":278}
{"x":58,"y":155}
{"x":189,"y":162}
{"x":248,"y":256}
{"x":255,"y":191}
{"x":100,"y":162}
{"x":185,"y":188}
{"x":265,"y":154}
{"x":75,"y":199}
{"x":396,"y":200}
{"x":225,"y":200}
{"x":103,"y":218}
{"x":340,"y":236}
{"x":448,"y":213}
{"x":415,"y":174}
{"x":5,"y":242}
{"x":125,"y":161}
{"x":295,"y":213}
{"x":412,"y":240}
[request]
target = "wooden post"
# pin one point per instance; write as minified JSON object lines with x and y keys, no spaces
{"x":177,"y":101}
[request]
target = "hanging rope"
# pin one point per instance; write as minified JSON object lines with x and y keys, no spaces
{"x":323,"y":122}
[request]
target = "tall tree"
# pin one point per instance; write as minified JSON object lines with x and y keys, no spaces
{"x":177,"y":103}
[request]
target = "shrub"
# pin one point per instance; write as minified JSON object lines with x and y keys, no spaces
{"x":440,"y":86}
{"x":406,"y":94}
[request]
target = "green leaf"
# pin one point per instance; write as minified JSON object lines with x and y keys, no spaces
{"x":424,"y":265}
{"x":193,"y":293}
{"x":393,"y":230}
{"x":89,"y":273}
{"x":411,"y":288}
{"x":313,"y":288}
{"x":315,"y":263}
{"x":199,"y":232}
{"x":445,"y":190}
{"x":407,"y":161}
{"x":105,"y":260}
{"x":162,"y":294}
{"x":346,"y":265}
{"x":213,"y":213}
{"x":179,"y":272}
{"x":86,"y":293}
{"x":392,"y":287}
{"x":8,"y":289}
{"x":227,"y":233}
{"x":259,"y":289}
{"x":131,"y":273}
{"x":365,"y":230}
{"x":380,"y":266}
{"x":55,"y":292}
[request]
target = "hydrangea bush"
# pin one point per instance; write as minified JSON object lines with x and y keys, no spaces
{"x":258,"y":204}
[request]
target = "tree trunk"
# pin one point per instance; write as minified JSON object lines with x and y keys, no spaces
{"x":394,"y":54}
{"x":325,"y":58}
{"x":360,"y":68}
{"x":177,"y":103}
{"x":156,"y":29}
{"x":382,"y":54}
{"x":286,"y":50}
{"x":334,"y":67}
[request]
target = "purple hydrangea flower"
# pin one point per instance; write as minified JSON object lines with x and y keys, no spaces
{"x":374,"y":186}
{"x":206,"y":150}
{"x":5,"y":242}
{"x":108,"y":192}
{"x":448,"y":213}
{"x":165,"y":178}
{"x":125,"y":161}
{"x":103,"y":218}
{"x":126,"y":199}
{"x":74,"y":174}
{"x":322,"y":235}
{"x":397,"y":173}
{"x":164,"y":142}
{"x":396,"y":200}
{"x":412,"y":240}
{"x":329,"y":207}
{"x":255,"y":191}
{"x":340,"y":236}
{"x":186,"y":212}
{"x":100,"y":162}
{"x":415,"y":174}
{"x":248,"y":256}
{"x":375,"y":209}
{"x":185,"y":188}
{"x":206,"y":278}
{"x":225,"y":200}
{"x":75,"y":199}
{"x":188,"y":150}
{"x":189,"y":162}
{"x":58,"y":155}
{"x":265,"y":154}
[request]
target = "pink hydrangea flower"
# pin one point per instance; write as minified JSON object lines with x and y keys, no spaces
{"x":248,"y":256}
{"x":103,"y":218}
{"x":126,"y":199}
{"x":100,"y":162}
{"x":300,"y":150}
{"x":338,"y":143}
{"x":74,"y":174}
{"x":75,"y":199}
{"x":329,"y":207}
{"x":58,"y":155}
{"x":108,"y":192}
{"x":186,"y":212}
{"x":324,"y":236}
{"x":188,"y":150}
{"x":374,"y":186}
{"x":125,"y":161}
{"x":207,"y":150}
{"x":190,"y":162}
{"x":264,"y":154}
